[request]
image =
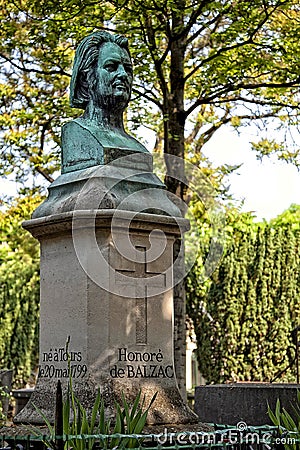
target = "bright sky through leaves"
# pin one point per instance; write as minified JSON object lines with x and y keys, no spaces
{"x":268,"y":187}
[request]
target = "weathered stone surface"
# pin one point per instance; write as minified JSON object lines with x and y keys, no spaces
{"x":247,"y":402}
{"x":112,"y":298}
{"x":21,"y":397}
{"x":127,"y":183}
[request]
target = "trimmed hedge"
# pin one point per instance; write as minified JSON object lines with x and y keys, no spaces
{"x":245,"y":314}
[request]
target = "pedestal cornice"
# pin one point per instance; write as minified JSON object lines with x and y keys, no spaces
{"x":63,"y":222}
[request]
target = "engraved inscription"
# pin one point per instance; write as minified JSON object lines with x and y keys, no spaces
{"x":62,"y":363}
{"x":51,"y":371}
{"x":151,"y":370}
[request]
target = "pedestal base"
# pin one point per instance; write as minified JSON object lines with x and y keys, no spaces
{"x":107,"y":289}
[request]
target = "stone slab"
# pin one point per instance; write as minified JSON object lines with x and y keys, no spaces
{"x":21,"y":397}
{"x":242,"y":402}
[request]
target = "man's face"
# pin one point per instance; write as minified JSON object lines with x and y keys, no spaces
{"x":113,"y":77}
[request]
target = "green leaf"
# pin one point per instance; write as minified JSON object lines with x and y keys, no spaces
{"x":277,"y":411}
{"x":135,"y":405}
{"x":49,"y":426}
{"x":95,"y":410}
{"x":288,"y":421}
{"x":273,"y":417}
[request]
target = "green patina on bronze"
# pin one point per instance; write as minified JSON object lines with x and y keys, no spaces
{"x":101,"y":85}
{"x":102,"y":165}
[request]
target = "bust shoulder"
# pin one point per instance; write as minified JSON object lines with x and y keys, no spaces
{"x":80,"y":148}
{"x":85,"y":144}
{"x":108,"y":137}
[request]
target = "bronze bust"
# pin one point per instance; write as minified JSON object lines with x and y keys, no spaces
{"x":103,"y":167}
{"x":101,"y":85}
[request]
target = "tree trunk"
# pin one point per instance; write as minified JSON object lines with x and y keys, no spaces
{"x":174,"y":144}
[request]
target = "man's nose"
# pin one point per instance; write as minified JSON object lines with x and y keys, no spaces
{"x":121,"y":72}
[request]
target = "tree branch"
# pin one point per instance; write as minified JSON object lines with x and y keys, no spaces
{"x":196,"y":128}
{"x":32,"y":70}
{"x":206,"y":136}
{"x":215,"y":20}
{"x":216,"y":55}
{"x":149,"y":39}
{"x":237,"y":45}
{"x":147,"y":97}
{"x":231,"y":88}
{"x":45,"y":127}
{"x":44,"y":174}
{"x":262,"y":102}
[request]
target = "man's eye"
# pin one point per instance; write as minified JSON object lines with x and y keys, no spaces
{"x":110,"y":67}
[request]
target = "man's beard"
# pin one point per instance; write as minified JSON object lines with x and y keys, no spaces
{"x":104,"y":97}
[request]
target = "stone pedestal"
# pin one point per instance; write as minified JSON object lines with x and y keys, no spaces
{"x":107,"y":300}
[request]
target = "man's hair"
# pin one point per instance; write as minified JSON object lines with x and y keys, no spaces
{"x":86,"y":57}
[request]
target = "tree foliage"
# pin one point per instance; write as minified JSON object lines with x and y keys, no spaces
{"x":245,"y":314}
{"x":214,"y":63}
{"x":19,"y":293}
{"x":36,"y":50}
{"x":200,"y":64}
